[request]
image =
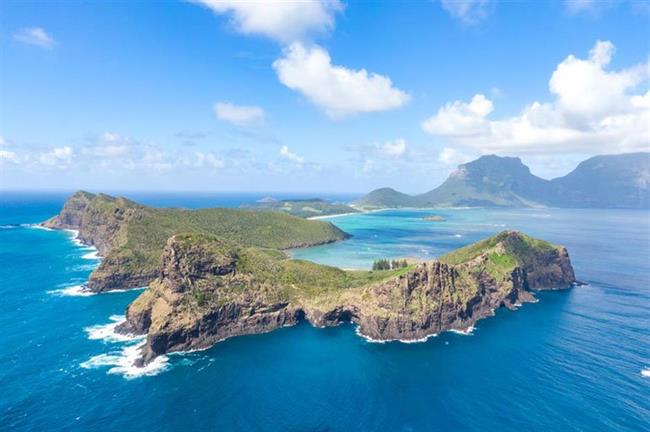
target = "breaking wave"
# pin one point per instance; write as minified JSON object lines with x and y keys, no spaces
{"x":107,"y":333}
{"x":122,"y":362}
{"x":72,"y":291}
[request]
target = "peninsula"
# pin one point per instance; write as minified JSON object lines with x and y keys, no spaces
{"x":130,"y":237}
{"x":209,"y":290}
{"x":217,"y":273}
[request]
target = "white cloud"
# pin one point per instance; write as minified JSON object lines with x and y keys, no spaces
{"x":593,"y":110}
{"x":338,"y":90}
{"x":238,"y":114}
{"x":461,"y":119}
{"x":7,"y":155}
{"x":396,"y":148}
{"x":283,"y":21}
{"x":452,"y":157}
{"x":209,"y":160}
{"x":36,"y":36}
{"x":287,"y":154}
{"x":469,"y":12}
{"x":58,"y":156}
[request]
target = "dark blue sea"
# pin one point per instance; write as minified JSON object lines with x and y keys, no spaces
{"x":578,"y":360}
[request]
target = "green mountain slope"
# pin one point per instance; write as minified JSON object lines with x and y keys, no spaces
{"x":606,"y":181}
{"x":387,"y":197}
{"x":609,"y":181}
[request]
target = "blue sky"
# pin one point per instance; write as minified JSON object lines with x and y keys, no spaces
{"x":337,"y":96}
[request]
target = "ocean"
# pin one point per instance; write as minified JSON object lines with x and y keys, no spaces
{"x":577,"y":360}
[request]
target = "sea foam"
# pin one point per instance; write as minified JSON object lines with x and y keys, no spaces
{"x":469,"y":331}
{"x":383,"y":341}
{"x":122,"y":362}
{"x":107,"y":333}
{"x":645,"y":372}
{"x":92,"y":255}
{"x":72,"y":291}
{"x":35,"y":226}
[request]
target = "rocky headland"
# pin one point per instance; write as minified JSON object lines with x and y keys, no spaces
{"x":212,"y":274}
{"x":209,"y":290}
{"x":130,"y":237}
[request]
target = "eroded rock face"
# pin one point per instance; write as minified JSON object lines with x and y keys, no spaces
{"x":202,"y":297}
{"x":96,"y":226}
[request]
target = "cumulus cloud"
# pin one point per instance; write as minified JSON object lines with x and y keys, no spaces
{"x":285,"y":153}
{"x":469,"y":12}
{"x":452,"y":157}
{"x":238,"y":114}
{"x":8,"y":155}
{"x":36,"y":36}
{"x":283,"y":21}
{"x":338,"y":90}
{"x":58,"y":156}
{"x":593,"y":110}
{"x":396,"y":148}
{"x":460,"y":118}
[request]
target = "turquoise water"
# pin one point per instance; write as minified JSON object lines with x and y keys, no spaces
{"x":572,"y":361}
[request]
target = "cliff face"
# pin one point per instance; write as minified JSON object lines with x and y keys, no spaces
{"x":206,"y":293}
{"x":200,"y":298}
{"x":99,"y":219}
{"x":130,"y":237}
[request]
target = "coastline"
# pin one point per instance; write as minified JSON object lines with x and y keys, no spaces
{"x":348,"y":214}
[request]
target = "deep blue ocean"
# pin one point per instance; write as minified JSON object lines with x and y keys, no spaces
{"x":578,"y":360}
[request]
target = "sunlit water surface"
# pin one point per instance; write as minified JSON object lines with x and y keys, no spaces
{"x":574,"y":361}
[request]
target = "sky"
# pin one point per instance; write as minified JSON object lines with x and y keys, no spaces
{"x":313,"y":96}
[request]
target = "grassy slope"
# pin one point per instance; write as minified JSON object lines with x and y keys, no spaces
{"x":505,"y":250}
{"x":140,"y":240}
{"x":312,"y":283}
{"x":277,"y":278}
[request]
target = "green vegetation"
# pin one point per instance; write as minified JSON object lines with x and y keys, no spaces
{"x":276,"y":277}
{"x":136,"y":234}
{"x":387,"y":197}
{"x":517,"y":246}
{"x":505,"y":251}
{"x":303,"y":208}
{"x":609,"y":181}
{"x":384,"y":264}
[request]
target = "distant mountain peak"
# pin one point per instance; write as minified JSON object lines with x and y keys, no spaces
{"x":608,"y":181}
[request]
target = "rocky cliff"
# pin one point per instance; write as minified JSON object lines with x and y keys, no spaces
{"x":130,"y":237}
{"x":209,"y":290}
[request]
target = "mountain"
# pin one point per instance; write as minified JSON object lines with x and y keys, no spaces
{"x":130,"y":237}
{"x":608,"y":181}
{"x":614,"y":181}
{"x":209,"y":290}
{"x":489,"y":181}
{"x":387,"y":197}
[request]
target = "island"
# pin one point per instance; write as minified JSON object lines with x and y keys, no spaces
{"x":221,"y":274}
{"x":305,"y":208}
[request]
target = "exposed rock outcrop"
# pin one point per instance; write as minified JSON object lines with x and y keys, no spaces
{"x":208,"y":291}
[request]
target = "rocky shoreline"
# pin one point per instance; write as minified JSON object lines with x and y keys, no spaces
{"x":430,"y":298}
{"x":217,"y":273}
